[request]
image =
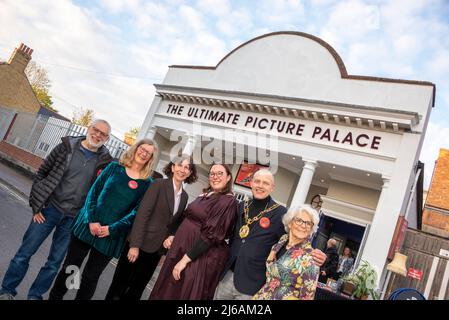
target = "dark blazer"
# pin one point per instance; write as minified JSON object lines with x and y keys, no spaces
{"x":250,"y":254}
{"x":155,"y":215}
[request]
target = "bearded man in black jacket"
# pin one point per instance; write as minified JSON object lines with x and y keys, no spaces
{"x":58,"y":192}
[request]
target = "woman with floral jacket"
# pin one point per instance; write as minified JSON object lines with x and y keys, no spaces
{"x":291,"y":271}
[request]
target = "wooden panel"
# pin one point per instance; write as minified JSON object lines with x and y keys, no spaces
{"x":421,"y":250}
{"x":425,"y":242}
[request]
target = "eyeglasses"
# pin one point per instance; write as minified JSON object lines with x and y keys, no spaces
{"x":100,"y":133}
{"x":218,"y":174}
{"x":299,"y":222}
{"x":144,"y":152}
{"x":185,"y":168}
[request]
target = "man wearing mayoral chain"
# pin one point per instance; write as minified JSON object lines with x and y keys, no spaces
{"x":258,"y":227}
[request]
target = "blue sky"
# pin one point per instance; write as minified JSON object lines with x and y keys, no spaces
{"x":106,"y":54}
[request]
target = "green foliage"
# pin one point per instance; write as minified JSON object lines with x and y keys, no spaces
{"x":44,"y":98}
{"x":365,"y":280}
{"x":134,"y":131}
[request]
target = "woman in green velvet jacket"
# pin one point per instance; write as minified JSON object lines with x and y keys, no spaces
{"x":101,"y":226}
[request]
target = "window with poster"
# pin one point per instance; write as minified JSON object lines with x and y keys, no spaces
{"x":246,"y":172}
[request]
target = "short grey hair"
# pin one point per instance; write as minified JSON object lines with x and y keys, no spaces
{"x":294,"y":211}
{"x":264,"y":172}
{"x":332,"y":242}
{"x":95,"y":121}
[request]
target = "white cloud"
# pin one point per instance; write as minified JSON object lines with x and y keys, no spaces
{"x":241,"y":21}
{"x":438,"y":63}
{"x":202,"y":49}
{"x":376,"y":59}
{"x":398,"y":18}
{"x":406,"y":45}
{"x":351,"y":21}
{"x":191,"y":18}
{"x":215,"y":7}
{"x":322,"y":3}
{"x":119,"y":6}
{"x":280,"y":13}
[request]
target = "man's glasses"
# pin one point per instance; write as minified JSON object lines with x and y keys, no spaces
{"x":300,"y":222}
{"x":100,"y":133}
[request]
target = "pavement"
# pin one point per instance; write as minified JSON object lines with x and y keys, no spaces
{"x":15,"y":179}
{"x":15,"y":216}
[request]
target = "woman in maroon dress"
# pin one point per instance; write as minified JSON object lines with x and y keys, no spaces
{"x":198,"y":251}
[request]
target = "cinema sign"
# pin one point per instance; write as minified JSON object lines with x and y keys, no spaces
{"x":378,"y":142}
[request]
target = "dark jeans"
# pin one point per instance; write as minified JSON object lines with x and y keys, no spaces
{"x":95,"y":265}
{"x":130,"y":279}
{"x":32,"y":240}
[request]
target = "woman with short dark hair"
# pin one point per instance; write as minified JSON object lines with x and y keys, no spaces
{"x":198,"y":251}
{"x":163,"y":202}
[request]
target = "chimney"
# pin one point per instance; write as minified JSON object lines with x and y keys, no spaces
{"x":20,"y":58}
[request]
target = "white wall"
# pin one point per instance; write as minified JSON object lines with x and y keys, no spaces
{"x":361,"y":196}
{"x":314,"y":190}
{"x":294,"y":66}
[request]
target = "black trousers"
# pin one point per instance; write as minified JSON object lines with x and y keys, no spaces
{"x":93,"y":269}
{"x":130,"y":279}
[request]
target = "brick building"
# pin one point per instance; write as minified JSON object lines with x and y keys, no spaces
{"x":15,"y":89}
{"x":436,"y":208}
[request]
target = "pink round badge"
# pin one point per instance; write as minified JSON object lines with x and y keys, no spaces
{"x":132,"y":184}
{"x":264,"y":222}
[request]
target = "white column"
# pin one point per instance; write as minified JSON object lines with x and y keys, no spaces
{"x":378,"y":225}
{"x":392,"y":202}
{"x":190,"y":145}
{"x":148,"y":122}
{"x":302,"y":189}
{"x":151,"y":133}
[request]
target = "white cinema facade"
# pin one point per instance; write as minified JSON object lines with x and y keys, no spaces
{"x":353,"y":140}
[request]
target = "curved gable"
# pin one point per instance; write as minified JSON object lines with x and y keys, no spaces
{"x":299,"y":65}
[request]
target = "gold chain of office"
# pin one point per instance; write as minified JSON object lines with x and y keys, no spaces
{"x":244,"y":230}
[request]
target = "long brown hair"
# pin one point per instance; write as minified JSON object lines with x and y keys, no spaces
{"x":127,"y":157}
{"x":228,"y":188}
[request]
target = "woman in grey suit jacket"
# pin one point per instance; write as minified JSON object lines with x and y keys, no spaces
{"x":160,"y":208}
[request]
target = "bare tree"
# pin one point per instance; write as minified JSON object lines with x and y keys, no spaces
{"x":40,"y":83}
{"x":83,"y":117}
{"x":37,"y":76}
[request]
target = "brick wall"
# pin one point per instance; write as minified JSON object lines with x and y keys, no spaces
{"x":20,"y":157}
{"x":436,"y":208}
{"x":15,"y":91}
{"x":435,"y":222}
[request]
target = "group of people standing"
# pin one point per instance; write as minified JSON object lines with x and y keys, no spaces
{"x":215,"y":247}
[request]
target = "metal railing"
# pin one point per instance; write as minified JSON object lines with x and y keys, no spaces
{"x":39,"y":134}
